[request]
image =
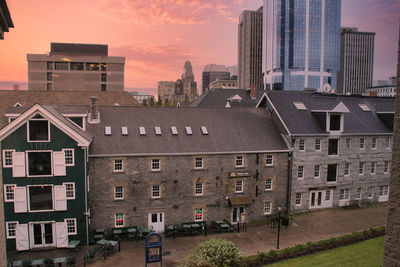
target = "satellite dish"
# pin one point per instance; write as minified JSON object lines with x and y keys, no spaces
{"x":327,"y":88}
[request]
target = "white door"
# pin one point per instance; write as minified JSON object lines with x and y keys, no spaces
{"x":156,"y":222}
{"x":321,"y":199}
{"x":236,"y":212}
{"x":42,"y":234}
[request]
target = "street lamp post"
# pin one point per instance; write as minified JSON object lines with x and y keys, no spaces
{"x":279,"y":225}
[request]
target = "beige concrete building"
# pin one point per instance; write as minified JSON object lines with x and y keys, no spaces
{"x":76,"y":67}
{"x":224,"y":84}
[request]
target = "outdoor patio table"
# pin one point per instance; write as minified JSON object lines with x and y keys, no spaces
{"x":73,"y":243}
{"x":99,"y":230}
{"x":99,"y":236}
{"x":219,"y":222}
{"x":17,"y":263}
{"x":195,"y":225}
{"x":112,"y":243}
{"x":146,"y":231}
{"x":102,"y":242}
{"x":117,"y":232}
{"x":37,"y":262}
{"x":224,"y":226}
{"x":60,"y":260}
{"x":132,"y":230}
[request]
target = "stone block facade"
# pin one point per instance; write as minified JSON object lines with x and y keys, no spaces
{"x":177,"y":179}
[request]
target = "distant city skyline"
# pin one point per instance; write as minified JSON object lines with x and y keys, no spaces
{"x":157,"y":38}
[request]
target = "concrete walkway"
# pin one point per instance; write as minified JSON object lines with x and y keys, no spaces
{"x":308,"y":227}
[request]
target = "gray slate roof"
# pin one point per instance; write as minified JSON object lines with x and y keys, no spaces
{"x":229,"y":130}
{"x":219,"y":97}
{"x":356,"y":121}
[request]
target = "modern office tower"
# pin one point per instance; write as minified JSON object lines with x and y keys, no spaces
{"x":250,"y":49}
{"x":301,"y":43}
{"x":76,"y":67}
{"x":356,"y":61}
{"x":213,"y":72}
{"x":5,"y":19}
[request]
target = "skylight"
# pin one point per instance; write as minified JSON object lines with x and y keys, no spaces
{"x":300,"y":105}
{"x":204,"y":130}
{"x":158,"y":130}
{"x":364,"y":107}
{"x":124,"y":130}
{"x":107,"y":130}
{"x":174,"y":130}
{"x":142,"y":130}
{"x":188,"y":130}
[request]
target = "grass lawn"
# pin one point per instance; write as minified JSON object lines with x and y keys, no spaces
{"x":366,"y":253}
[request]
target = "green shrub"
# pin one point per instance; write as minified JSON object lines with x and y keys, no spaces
{"x":213,"y":253}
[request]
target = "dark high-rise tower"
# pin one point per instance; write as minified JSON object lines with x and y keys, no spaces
{"x":356,"y":61}
{"x":301,"y":43}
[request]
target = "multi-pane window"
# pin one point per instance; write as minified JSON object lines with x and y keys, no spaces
{"x":361,"y":168}
{"x":298,"y":198}
{"x":155,"y":191}
{"x":386,"y":167}
{"x":301,"y":145}
{"x":359,"y":193}
{"x":327,"y":194}
{"x":118,"y":165}
{"x":11,"y":229}
{"x":69,"y":157}
{"x":373,"y":143}
{"x":373,"y":167}
{"x":316,"y":171}
{"x":300,"y":171}
{"x":239,"y":161}
{"x":198,"y":214}
{"x":269,"y":160}
{"x":267,"y":207}
{"x":9,"y":192}
{"x":268,"y":184}
{"x":69,"y":190}
{"x":362,"y":143}
{"x":383,"y":190}
{"x":344,"y":194}
{"x":388,"y":142}
{"x":155,"y":165}
{"x":71,"y":226}
{"x":198,"y":191}
{"x":119,"y":220}
{"x":239,"y":186}
{"x":346,"y":168}
{"x":348,"y":143}
{"x":370,"y":192}
{"x":317,"y":144}
{"x":198,"y":164}
{"x":119,"y":192}
{"x":7,"y":158}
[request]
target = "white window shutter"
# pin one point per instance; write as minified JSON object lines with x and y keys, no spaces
{"x":60,"y":197}
{"x":21,"y":237}
{"x":18,"y":168}
{"x":59,"y":163}
{"x":20,"y":199}
{"x":62,"y":235}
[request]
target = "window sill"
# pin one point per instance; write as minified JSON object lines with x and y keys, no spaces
{"x":119,"y":200}
{"x":239,"y":167}
{"x":269,"y":166}
{"x":239,"y":192}
{"x":198,"y":169}
{"x":155,"y":171}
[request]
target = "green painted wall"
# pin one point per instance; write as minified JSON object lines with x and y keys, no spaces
{"x":75,"y":208}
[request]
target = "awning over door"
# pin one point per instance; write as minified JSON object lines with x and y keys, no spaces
{"x":236,"y":201}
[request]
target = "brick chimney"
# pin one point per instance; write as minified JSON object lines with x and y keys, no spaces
{"x":253,"y":92}
{"x":94,"y":114}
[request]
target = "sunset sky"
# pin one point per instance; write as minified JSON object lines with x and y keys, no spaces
{"x":156,"y":37}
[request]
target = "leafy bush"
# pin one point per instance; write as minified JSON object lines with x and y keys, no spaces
{"x":213,"y":253}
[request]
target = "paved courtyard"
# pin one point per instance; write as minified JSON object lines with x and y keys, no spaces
{"x":304,"y":228}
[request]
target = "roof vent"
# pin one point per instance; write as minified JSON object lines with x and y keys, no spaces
{"x":300,"y":105}
{"x":188,"y":130}
{"x":142,"y":130}
{"x":107,"y":130}
{"x":364,"y":107}
{"x":157,"y":130}
{"x":124,"y":130}
{"x":204,"y":130}
{"x":174,"y":130}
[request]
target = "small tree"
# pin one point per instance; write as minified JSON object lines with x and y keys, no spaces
{"x":151,"y":101}
{"x":144,"y":102}
{"x":213,"y":253}
{"x":166,"y":102}
{"x":159,"y":101}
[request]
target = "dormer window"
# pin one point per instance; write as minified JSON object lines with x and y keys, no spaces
{"x":38,"y":129}
{"x":335,"y":122}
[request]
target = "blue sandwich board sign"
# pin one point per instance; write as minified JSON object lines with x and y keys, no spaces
{"x":153,"y":248}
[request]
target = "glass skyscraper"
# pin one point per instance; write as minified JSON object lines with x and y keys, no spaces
{"x":301,"y":43}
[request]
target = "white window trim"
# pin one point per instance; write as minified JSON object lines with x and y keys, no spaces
{"x":202,"y":189}
{"x":319,"y":171}
{"x":65,"y":184}
{"x":27,"y":130}
{"x":242,"y":187}
{"x":328,"y":123}
{"x":27,"y":163}
{"x":5,"y":193}
{"x":363,"y":168}
{"x":389,"y":143}
{"x":295,"y":199}
{"x":372,"y":192}
{"x":344,"y":195}
{"x":66,"y":223}
{"x":123,"y":220}
{"x":372,"y":143}
{"x":8,"y":236}
{"x":202,"y":163}
{"x":315,"y":146}
{"x":236,"y":160}
{"x":388,"y":167}
{"x":344,"y":173}
{"x":362,"y":148}
{"x":115,"y":193}
{"x":349,"y":143}
{"x":265,"y":185}
{"x":304,"y":144}
{"x":73,"y":156}
{"x":358,"y":198}
{"x":122,"y":165}
{"x":270,"y":208}
{"x":4,"y":157}
{"x":272,"y":160}
{"x":373,"y":164}
{"x":302,"y":172}
{"x":159,"y":190}
{"x":28,"y":198}
{"x":202,"y":215}
{"x":159,"y":165}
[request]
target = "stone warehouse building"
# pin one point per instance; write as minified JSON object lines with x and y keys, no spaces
{"x":157,"y":167}
{"x":341,"y":147}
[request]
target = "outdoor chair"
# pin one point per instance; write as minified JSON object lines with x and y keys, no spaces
{"x":71,"y":261}
{"x":90,"y":255}
{"x":140,"y":235}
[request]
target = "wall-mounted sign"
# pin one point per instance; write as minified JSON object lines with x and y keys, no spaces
{"x":239,"y":174}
